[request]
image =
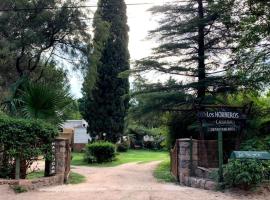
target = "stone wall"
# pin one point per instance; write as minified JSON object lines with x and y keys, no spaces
{"x":35,"y":183}
{"x":199,"y":183}
{"x":188,"y":156}
{"x":62,"y":168}
{"x":186,"y":164}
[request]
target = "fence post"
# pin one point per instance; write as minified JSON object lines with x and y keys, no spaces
{"x":220,"y":155}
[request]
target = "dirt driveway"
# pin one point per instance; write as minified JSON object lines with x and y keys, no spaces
{"x":126,"y":182}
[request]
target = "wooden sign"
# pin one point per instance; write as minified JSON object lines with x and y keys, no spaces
{"x":221,"y":119}
{"x":223,"y":129}
{"x":221,"y":125}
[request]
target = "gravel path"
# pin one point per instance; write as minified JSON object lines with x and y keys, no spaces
{"x":126,"y":182}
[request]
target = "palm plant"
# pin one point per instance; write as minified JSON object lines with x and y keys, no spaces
{"x":41,"y":101}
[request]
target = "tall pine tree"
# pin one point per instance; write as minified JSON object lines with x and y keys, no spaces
{"x":194,"y":39}
{"x":106,"y":97}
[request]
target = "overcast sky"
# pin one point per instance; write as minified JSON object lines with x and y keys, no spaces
{"x":140,"y":21}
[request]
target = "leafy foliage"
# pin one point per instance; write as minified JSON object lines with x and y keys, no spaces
{"x":193,"y":36}
{"x":245,"y":173}
{"x":163,"y":172}
{"x":250,"y":21}
{"x":256,"y":143}
{"x":32,"y":36}
{"x":40,"y":101}
{"x":106,"y":104}
{"x":123,"y":146}
{"x":137,"y":133}
{"x":99,"y":152}
{"x":258,"y":124}
{"x":72,"y":111}
{"x":26,"y":139}
{"x":19,"y":189}
{"x":181,"y":126}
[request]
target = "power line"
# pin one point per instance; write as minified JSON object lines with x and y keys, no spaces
{"x":64,"y":7}
{"x":82,"y":6}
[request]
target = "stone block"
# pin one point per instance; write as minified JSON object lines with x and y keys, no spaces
{"x":62,"y":150}
{"x":193,"y":182}
{"x":184,"y":163}
{"x":203,"y":182}
{"x":195,"y":157}
{"x":183,"y":151}
{"x":199,"y":173}
{"x":184,"y":144}
{"x":195,"y":151}
{"x":181,"y":178}
{"x":210,"y":185}
{"x":185,"y":157}
{"x":187,"y":181}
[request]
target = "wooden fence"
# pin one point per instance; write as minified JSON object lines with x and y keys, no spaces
{"x":207,"y":153}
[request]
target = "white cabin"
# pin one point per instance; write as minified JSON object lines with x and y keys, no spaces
{"x":81,"y":137}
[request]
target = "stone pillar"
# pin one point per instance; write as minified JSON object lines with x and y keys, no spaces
{"x":60,"y":155}
{"x":187,"y":158}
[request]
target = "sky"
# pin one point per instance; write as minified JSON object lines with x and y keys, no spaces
{"x":140,"y":22}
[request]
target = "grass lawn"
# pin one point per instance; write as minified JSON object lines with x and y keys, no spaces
{"x":74,"y":178}
{"x":140,"y":156}
{"x":35,"y":175}
{"x":162,"y":172}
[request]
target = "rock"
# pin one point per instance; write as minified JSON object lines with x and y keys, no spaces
{"x":210,"y":185}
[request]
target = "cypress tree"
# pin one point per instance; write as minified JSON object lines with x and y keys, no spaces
{"x":106,"y":96}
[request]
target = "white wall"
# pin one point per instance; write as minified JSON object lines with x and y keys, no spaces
{"x":81,"y":136}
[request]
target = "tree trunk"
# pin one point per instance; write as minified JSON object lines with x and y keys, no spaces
{"x":23,"y":168}
{"x":47,"y":168}
{"x":201,"y":51}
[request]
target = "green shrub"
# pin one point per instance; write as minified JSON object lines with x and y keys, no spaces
{"x":19,"y":189}
{"x":181,"y":125}
{"x":163,"y":172}
{"x":256,"y":144}
{"x":245,"y":173}
{"x":26,"y":139}
{"x":137,"y":132}
{"x":122,"y":147}
{"x":99,"y":152}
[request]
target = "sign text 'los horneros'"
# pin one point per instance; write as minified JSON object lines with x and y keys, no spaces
{"x":219,"y":115}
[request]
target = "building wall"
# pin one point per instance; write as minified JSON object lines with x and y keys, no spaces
{"x":81,"y":136}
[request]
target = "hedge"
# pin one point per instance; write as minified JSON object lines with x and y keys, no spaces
{"x":25,"y":138}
